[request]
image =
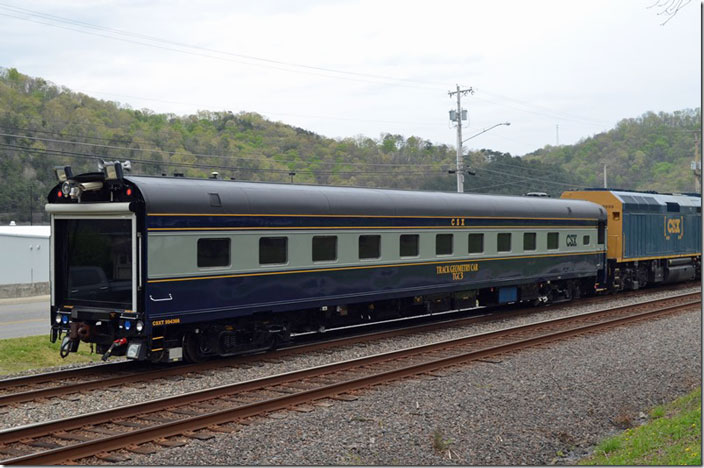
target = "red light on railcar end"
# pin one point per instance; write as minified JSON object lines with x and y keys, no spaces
{"x":60,"y":193}
{"x":129,"y":192}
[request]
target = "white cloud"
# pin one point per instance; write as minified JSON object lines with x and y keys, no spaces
{"x":581,"y":65}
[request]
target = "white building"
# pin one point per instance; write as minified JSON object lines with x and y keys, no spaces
{"x":24,"y":255}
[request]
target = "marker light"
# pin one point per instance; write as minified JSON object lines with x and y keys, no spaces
{"x":128,"y":325}
{"x":129,"y":192}
{"x":57,"y":319}
{"x":139,"y":326}
{"x":66,"y":188}
{"x":64,"y":319}
{"x":60,"y":193}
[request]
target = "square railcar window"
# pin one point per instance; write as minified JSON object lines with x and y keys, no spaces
{"x":585,"y":240}
{"x":369,"y":247}
{"x":324,"y":248}
{"x":443,"y":244}
{"x":553,"y":240}
{"x":273,"y":250}
{"x":408,"y":245}
{"x":529,"y":241}
{"x":213,"y":253}
{"x":476,"y":243}
{"x":503,"y":242}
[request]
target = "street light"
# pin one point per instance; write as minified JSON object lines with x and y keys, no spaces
{"x":458,"y":171}
{"x":486,"y":130}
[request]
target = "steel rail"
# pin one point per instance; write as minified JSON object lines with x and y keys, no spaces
{"x":148,"y":434}
{"x":179,"y":369}
{"x":110,"y":368}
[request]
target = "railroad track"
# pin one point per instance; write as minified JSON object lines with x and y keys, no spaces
{"x":66,"y":383}
{"x":167,"y":422}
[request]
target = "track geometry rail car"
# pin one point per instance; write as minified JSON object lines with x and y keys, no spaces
{"x":172,"y":268}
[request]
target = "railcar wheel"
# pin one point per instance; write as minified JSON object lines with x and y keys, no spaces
{"x":156,"y":357}
{"x":192,"y":351}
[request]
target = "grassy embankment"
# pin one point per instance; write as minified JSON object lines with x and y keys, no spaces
{"x":672,"y":437}
{"x":34,"y":352}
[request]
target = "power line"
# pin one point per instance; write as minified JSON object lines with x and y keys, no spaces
{"x":87,"y":156}
{"x":260,"y":160}
{"x":219,"y":156}
{"x":261,"y":61}
{"x":121,"y":32}
{"x":526,"y":168}
{"x":227,"y":58}
{"x":526,"y":178}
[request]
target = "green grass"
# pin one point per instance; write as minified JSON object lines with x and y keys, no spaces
{"x":672,"y":437}
{"x":35,"y":352}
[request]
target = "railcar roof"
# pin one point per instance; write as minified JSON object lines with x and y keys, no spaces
{"x":183,"y":195}
{"x":657,"y":198}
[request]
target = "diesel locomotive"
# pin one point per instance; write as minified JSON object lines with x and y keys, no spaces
{"x":169,"y":268}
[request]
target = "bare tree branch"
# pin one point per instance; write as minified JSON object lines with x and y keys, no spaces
{"x":669,"y":8}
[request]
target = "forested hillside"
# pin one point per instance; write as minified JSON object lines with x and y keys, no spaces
{"x":650,"y":152}
{"x":43,"y":125}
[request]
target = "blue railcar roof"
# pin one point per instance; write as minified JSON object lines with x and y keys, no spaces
{"x":183,"y":195}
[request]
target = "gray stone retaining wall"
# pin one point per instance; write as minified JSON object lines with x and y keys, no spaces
{"x":24,"y":290}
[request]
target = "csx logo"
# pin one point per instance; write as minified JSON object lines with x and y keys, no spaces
{"x":673,"y":226}
{"x":572,"y":240}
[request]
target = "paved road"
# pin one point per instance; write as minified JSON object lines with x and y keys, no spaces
{"x":24,"y":317}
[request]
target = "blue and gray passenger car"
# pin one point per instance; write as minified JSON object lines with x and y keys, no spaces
{"x":168,"y":268}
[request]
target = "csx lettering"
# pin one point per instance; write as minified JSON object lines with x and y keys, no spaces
{"x":673,"y":226}
{"x":457,"y":222}
{"x":572,"y":240}
{"x":156,"y":323}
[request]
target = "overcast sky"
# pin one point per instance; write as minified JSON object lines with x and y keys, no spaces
{"x":355,"y":67}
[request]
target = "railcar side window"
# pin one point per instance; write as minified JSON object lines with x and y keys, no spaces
{"x":408,"y":245}
{"x":213,"y":253}
{"x":443,"y":244}
{"x":324,"y":248}
{"x":369,"y":247}
{"x":476,"y":243}
{"x":586,"y":240}
{"x":528,"y":241}
{"x":273,"y":250}
{"x":553,"y":240}
{"x":503,"y":242}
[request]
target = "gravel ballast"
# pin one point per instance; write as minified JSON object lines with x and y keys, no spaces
{"x":532,"y":407}
{"x":56,"y":408}
{"x":540,"y":406}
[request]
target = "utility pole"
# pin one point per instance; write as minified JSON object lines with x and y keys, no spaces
{"x":557,"y":134}
{"x":697,"y":164}
{"x":31,"y":195}
{"x":458,"y":117}
{"x":604,"y":175}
